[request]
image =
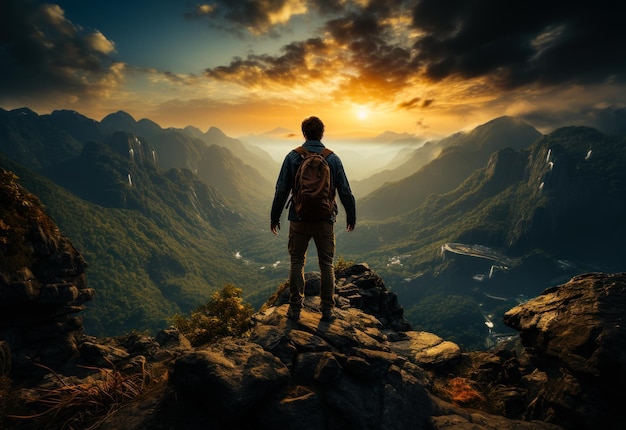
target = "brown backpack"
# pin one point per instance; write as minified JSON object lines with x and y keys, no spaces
{"x":313,"y":197}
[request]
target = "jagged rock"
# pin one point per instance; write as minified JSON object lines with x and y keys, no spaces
{"x":449,"y":417}
{"x":352,"y":372}
{"x":172,"y":338}
{"x":365,"y":369}
{"x":97,"y":354}
{"x":575,"y":334}
{"x":357,"y":287}
{"x":355,"y":371}
{"x":5,"y":358}
{"x":231,"y":375}
{"x":426,"y":349}
{"x":42,"y":283}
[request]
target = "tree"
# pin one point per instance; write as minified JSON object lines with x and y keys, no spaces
{"x":225,"y":314}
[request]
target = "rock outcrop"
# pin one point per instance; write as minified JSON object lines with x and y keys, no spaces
{"x":367,"y":368}
{"x":575,"y":335}
{"x":42,"y":285}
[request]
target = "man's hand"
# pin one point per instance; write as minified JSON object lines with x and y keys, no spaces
{"x":275,"y":227}
{"x":349,"y":227}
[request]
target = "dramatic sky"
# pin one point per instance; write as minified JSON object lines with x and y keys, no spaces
{"x":426,"y":67}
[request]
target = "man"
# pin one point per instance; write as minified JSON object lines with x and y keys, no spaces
{"x":301,"y":232}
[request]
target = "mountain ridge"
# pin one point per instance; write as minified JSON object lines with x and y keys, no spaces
{"x":459,"y":156}
{"x":552,"y":231}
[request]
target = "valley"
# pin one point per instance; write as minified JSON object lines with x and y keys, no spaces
{"x":458,"y":228}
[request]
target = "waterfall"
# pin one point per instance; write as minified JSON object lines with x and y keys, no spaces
{"x":130,"y":181}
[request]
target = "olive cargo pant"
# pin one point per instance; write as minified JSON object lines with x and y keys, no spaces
{"x":323,"y":234}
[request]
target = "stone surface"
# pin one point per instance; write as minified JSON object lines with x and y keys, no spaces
{"x":42,"y":284}
{"x":576,"y":335}
{"x":365,"y":369}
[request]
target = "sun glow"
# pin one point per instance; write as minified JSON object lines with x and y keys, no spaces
{"x":362,"y":112}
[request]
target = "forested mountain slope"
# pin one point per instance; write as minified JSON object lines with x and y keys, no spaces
{"x":460,"y":155}
{"x":529,"y":219}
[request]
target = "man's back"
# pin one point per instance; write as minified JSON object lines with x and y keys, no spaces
{"x":313,"y":194}
{"x":322,"y":175}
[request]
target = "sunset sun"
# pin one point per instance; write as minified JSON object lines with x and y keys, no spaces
{"x":362,"y":112}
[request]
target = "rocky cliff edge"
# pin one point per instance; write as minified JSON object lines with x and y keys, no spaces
{"x":365,"y":369}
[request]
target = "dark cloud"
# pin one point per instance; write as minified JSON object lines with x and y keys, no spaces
{"x":510,"y":44}
{"x":415,"y":103}
{"x":290,"y":68}
{"x":260,"y":15}
{"x":355,"y":48}
{"x":382,"y":67}
{"x":257,"y":16}
{"x":409,"y":104}
{"x":44,"y":55}
{"x":518,"y":43}
{"x":355,"y":28}
{"x":609,"y":120}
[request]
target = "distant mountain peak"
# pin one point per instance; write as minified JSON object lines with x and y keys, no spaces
{"x":214,"y":131}
{"x":117,"y":121}
{"x":392,"y":136}
{"x":120,"y":115}
{"x":193,"y":131}
{"x":23,"y":111}
{"x":277,"y":131}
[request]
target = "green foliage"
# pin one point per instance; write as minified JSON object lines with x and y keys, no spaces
{"x":460,"y":157}
{"x":224,"y":315}
{"x":27,"y":139}
{"x":453,"y":317}
{"x":20,"y":211}
{"x":342,"y":264}
{"x":146,"y":267}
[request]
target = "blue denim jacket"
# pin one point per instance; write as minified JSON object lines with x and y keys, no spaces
{"x":338,"y":179}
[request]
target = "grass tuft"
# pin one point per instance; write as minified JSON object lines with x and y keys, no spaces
{"x":87,"y":404}
{"x":460,"y":392}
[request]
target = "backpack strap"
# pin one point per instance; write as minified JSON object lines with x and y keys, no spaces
{"x":325,"y":152}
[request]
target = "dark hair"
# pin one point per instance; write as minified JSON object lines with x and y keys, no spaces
{"x":313,"y":128}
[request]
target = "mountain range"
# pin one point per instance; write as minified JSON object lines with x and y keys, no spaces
{"x":366,"y":368}
{"x":169,"y":215}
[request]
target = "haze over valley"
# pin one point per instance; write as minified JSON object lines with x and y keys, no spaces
{"x":361,"y":156}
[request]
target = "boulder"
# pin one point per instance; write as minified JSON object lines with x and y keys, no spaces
{"x":42,"y":284}
{"x":575,"y":335}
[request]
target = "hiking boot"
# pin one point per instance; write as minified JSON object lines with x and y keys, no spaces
{"x":327,"y":315}
{"x":293,"y":313}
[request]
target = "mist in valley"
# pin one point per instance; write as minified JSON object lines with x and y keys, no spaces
{"x":361,"y":157}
